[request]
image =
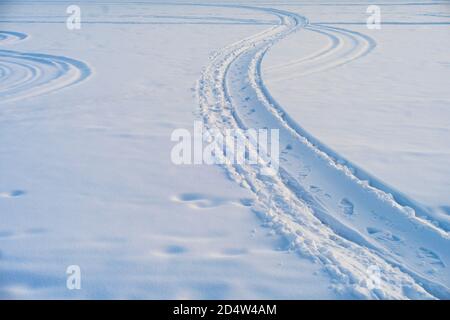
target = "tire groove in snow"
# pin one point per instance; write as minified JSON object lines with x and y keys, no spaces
{"x":25,"y":75}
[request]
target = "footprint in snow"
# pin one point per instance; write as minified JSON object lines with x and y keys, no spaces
{"x":286,"y":149}
{"x":382,"y":235}
{"x":12,"y":194}
{"x":314,"y":189}
{"x":204,"y":201}
{"x":346,"y":206}
{"x":175,"y":249}
{"x":431,"y":257}
{"x":304,"y":172}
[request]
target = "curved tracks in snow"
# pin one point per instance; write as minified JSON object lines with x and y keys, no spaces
{"x":323,"y":205}
{"x":344,"y":47}
{"x":24,"y":75}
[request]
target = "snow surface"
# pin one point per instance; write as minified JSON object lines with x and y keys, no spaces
{"x":389,"y":113}
{"x":86,"y":175}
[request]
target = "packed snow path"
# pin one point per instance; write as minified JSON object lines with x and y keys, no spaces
{"x":332,"y":211}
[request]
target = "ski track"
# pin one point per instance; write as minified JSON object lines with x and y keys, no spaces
{"x":330,"y":210}
{"x":25,"y":75}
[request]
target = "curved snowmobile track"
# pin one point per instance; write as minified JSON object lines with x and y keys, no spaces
{"x":330,"y":210}
{"x":24,"y":75}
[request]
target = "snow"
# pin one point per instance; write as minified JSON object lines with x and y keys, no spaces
{"x":87,"y":178}
{"x":389,"y":114}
